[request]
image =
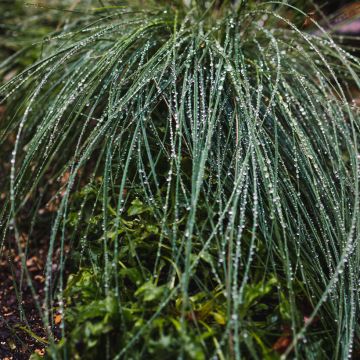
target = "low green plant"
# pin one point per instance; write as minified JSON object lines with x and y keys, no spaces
{"x":91,"y":314}
{"x":209,"y":171}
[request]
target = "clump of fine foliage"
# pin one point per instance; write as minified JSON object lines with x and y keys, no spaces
{"x":206,"y":164}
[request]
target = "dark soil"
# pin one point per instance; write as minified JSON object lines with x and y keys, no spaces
{"x":16,"y":343}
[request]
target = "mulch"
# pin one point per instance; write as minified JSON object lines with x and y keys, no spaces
{"x":16,"y":343}
{"x":21,"y":337}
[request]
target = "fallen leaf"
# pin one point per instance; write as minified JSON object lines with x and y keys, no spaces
{"x":40,"y":352}
{"x":282,"y":344}
{"x":311,"y":17}
{"x":39,"y":278}
{"x":348,"y":11}
{"x":57,"y":319}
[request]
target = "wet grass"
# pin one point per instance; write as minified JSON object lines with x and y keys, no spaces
{"x":204,"y":169}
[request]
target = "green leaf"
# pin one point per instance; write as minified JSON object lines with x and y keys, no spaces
{"x":137,"y":207}
{"x":149,"y":292}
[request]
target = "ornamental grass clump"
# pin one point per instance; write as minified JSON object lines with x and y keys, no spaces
{"x":206,"y":174}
